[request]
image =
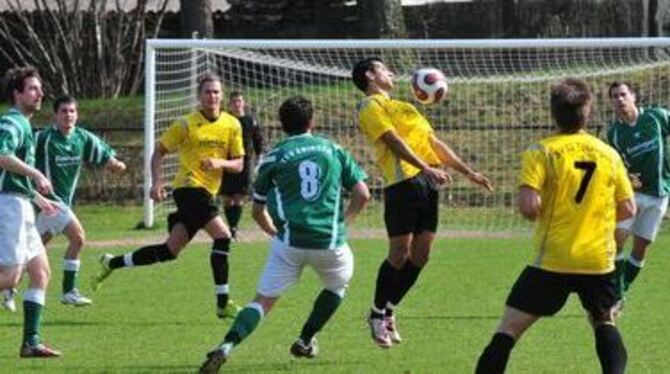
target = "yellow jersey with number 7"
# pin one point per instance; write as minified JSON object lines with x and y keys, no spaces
{"x":580,"y":180}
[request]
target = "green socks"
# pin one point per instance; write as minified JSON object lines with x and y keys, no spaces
{"x":33,"y":308}
{"x":325,"y":306}
{"x":631,"y":271}
{"x":245,"y":323}
{"x":70,"y":269}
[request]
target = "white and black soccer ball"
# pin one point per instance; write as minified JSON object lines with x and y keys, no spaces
{"x":429,"y":85}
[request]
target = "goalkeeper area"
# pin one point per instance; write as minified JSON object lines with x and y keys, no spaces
{"x":498,"y":100}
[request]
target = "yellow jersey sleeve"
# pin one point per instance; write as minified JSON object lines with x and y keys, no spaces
{"x":623,"y":188}
{"x":374,"y":120}
{"x":533,"y":167}
{"x":236,"y":143}
{"x":174,"y":135}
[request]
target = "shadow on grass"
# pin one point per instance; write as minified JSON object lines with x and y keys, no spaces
{"x":491,"y":317}
{"x":111,"y":323}
{"x":290,"y":366}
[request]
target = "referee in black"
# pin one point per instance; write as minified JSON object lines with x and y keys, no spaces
{"x":235,"y":187}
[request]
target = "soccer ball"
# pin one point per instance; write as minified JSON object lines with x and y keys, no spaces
{"x":429,"y":85}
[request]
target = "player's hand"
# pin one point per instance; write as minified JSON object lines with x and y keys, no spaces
{"x":635,"y":180}
{"x":437,"y":177}
{"x":209,"y":164}
{"x":158,"y":192}
{"x":117,"y":166}
{"x":42,"y":184}
{"x":49,"y":207}
{"x":481,"y":179}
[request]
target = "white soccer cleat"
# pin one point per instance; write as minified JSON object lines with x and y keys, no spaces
{"x":392,"y":329}
{"x":75,"y":298}
{"x":103,"y":273}
{"x":8,"y":300}
{"x":379,"y":333}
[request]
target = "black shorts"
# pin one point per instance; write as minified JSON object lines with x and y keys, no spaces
{"x":543,"y":293}
{"x":410,"y":206}
{"x":195,"y":208}
{"x":237,"y":183}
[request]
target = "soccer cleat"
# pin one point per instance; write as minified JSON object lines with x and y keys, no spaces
{"x":104,"y":272}
{"x":38,"y":351}
{"x":392,"y":329}
{"x":8,"y":301}
{"x":213,"y":362}
{"x":230,"y":311}
{"x":379,"y":333}
{"x":75,"y":298}
{"x":301,"y":350}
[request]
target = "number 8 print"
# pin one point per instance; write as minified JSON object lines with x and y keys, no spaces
{"x":309,"y":175}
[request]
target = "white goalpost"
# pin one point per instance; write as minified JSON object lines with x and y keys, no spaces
{"x":497,"y":104}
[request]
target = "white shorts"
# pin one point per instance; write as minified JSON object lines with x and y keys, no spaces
{"x":335,"y":267}
{"x":19,"y":240}
{"x":647,"y":221}
{"x":57,"y":223}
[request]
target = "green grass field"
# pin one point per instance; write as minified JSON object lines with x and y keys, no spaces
{"x":161,"y":318}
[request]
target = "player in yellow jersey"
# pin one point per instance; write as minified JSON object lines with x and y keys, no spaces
{"x":577,"y":188}
{"x":209,"y":143}
{"x":411,"y":158}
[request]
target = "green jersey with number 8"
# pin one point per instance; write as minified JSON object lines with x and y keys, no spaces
{"x":301,"y":181}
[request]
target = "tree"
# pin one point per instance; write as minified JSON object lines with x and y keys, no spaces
{"x":381,"y":19}
{"x":195,"y":16}
{"x":95,"y":51}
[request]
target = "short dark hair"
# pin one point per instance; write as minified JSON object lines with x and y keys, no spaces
{"x":295,"y":115}
{"x":208,"y":77}
{"x":15,"y":80}
{"x":65,"y":99}
{"x":617,"y":84}
{"x":235,"y":94}
{"x":359,"y":70}
{"x":570,"y":104}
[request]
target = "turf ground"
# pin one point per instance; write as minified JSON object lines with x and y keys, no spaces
{"x":161,"y":318}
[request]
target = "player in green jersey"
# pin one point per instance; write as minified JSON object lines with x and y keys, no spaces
{"x":298,"y":202}
{"x":20,"y":246}
{"x":61,"y":151}
{"x":640,"y":135}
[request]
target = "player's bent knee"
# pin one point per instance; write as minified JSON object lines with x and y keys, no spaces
{"x":339,"y":291}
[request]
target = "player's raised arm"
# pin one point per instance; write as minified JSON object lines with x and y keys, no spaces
{"x":452,"y":160}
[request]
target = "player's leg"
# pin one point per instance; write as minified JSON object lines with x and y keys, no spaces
{"x":402,"y":203}
{"x":195,"y":207}
{"x":621,"y":235}
{"x":245,"y":323}
{"x":424,"y":235}
{"x":148,"y":255}
{"x":335,"y":268}
{"x":218,"y":259}
{"x":598,"y":295}
{"x":76,"y":236}
{"x":282,"y":269}
{"x":647,"y":223}
{"x":13,"y":246}
{"x":535,"y":293}
{"x":232,"y":209}
{"x":34,"y":298}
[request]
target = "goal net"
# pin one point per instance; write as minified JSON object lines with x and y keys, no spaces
{"x":497,"y":104}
